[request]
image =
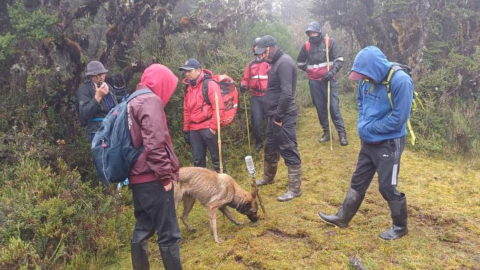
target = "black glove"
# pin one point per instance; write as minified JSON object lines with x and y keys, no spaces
{"x":186,"y":137}
{"x":328,"y":77}
{"x":243,"y":88}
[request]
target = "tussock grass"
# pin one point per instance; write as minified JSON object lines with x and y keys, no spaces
{"x":443,"y":206}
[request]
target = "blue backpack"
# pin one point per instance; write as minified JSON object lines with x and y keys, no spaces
{"x":112,"y":148}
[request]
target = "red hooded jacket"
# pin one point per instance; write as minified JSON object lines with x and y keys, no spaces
{"x":197,"y":114}
{"x":255,"y":77}
{"x":148,"y":127}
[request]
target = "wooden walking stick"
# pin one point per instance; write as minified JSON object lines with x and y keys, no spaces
{"x":248,"y":129}
{"x":219,"y":134}
{"x":327,"y":41}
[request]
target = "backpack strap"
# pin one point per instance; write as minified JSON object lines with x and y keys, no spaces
{"x":307,"y":46}
{"x":205,"y":91}
{"x":138,"y":93}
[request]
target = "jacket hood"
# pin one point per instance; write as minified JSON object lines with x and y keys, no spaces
{"x":371,"y":62}
{"x":203,"y":75}
{"x":160,"y":80}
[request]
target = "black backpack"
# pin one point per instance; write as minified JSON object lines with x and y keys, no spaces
{"x":119,"y":86}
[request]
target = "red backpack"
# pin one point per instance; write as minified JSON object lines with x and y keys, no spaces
{"x":229,"y":96}
{"x":327,"y":41}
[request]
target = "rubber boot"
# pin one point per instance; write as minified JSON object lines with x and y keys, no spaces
{"x":398,"y":211}
{"x":139,"y":252}
{"x":343,"y":139}
{"x":171,"y":257}
{"x":325,"y":137}
{"x":349,"y":208}
{"x":269,"y":171}
{"x":295,"y":180}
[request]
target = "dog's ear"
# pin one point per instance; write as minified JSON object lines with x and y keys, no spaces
{"x":254,"y":193}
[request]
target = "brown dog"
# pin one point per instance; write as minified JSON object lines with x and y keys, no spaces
{"x":215,"y":191}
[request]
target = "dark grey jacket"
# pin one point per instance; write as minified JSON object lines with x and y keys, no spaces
{"x":282,"y":84}
{"x":89,"y":108}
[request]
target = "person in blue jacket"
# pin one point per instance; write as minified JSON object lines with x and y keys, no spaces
{"x":382,"y":129}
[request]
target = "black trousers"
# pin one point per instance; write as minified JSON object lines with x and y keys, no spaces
{"x":319,"y":93}
{"x":384,"y":159}
{"x":154,"y":210}
{"x":257,"y":111}
{"x":202,"y":140}
{"x":282,"y":140}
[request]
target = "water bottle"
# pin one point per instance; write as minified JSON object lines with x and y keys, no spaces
{"x":250,"y":165}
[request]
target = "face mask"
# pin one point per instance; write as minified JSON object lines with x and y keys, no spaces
{"x":315,"y":40}
{"x":259,"y":58}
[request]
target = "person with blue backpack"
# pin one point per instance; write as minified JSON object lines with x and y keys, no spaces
{"x":156,"y":167}
{"x":95,"y":98}
{"x":382,"y":127}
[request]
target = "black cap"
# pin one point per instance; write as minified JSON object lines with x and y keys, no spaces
{"x":265,"y":42}
{"x":191,"y":63}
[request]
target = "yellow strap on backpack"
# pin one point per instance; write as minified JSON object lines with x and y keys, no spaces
{"x":413,"y":137}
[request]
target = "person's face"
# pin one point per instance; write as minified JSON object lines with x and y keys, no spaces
{"x":191,"y":74}
{"x":313,"y":34}
{"x":266,"y":54}
{"x":255,"y":48}
{"x":99,"y":78}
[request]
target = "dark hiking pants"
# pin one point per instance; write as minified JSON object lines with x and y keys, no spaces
{"x":154,"y":210}
{"x":282,"y":140}
{"x":383,"y":158}
{"x":202,"y":140}
{"x":319,"y":93}
{"x":257,"y":111}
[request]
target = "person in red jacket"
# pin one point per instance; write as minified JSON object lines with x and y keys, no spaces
{"x":152,"y":175}
{"x":255,"y":78}
{"x":199,"y":117}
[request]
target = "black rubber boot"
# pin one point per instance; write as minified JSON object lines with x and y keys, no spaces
{"x":325,"y":137}
{"x":349,"y":208}
{"x":399,"y":214}
{"x":171,"y":257}
{"x":139,"y":252}
{"x":343,"y":139}
{"x":295,"y":181}
{"x":269,"y":171}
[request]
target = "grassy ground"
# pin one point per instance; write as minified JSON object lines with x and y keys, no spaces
{"x":443,"y":207}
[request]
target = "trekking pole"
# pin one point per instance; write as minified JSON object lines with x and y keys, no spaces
{"x":219,"y":137}
{"x":327,"y":39}
{"x":251,"y":171}
{"x":246,"y":117}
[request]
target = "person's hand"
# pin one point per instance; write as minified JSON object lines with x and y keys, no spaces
{"x":169,"y":186}
{"x":186,"y":137}
{"x":213,"y":131}
{"x":100,"y":91}
{"x":243,"y":88}
{"x":328,"y":77}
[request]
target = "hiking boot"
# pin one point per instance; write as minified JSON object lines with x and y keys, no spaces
{"x":343,"y":139}
{"x":171,"y":257}
{"x":349,"y":208}
{"x":139,"y":256}
{"x":295,"y":180}
{"x":325,"y":137}
{"x":269,"y":171}
{"x":258,"y":147}
{"x":398,"y":210}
